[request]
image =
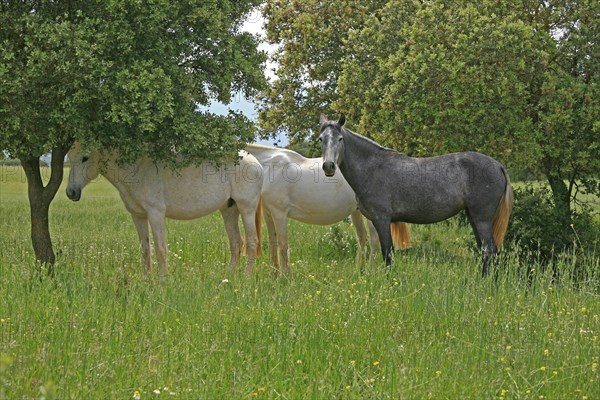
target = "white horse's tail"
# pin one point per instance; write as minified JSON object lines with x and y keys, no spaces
{"x":258,"y":223}
{"x":400,"y":235}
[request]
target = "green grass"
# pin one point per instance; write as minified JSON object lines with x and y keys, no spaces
{"x":431,"y":328}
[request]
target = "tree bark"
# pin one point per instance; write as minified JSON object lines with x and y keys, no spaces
{"x":40,"y":197}
{"x":562,"y":199}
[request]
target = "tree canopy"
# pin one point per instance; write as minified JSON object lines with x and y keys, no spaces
{"x":125,"y":74}
{"x":311,"y":35}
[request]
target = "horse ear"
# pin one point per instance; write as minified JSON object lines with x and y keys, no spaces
{"x":323,"y":119}
{"x":342,"y":119}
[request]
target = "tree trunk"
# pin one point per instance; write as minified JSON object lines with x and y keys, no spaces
{"x":40,"y":197}
{"x":562,"y":200}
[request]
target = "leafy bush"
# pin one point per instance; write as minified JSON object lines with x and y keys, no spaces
{"x":338,"y":240}
{"x":541,"y":234}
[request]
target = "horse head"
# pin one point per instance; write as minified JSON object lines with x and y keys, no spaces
{"x":84,"y":168}
{"x":332,"y":143}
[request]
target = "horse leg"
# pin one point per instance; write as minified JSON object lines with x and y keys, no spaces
{"x":374,"y":242}
{"x":230,"y":221}
{"x":477,"y":238}
{"x":361,"y":235}
{"x":280,"y":222}
{"x":273,"y":246}
{"x":385,"y":238}
{"x":249,"y":221}
{"x":157,"y":223}
{"x":141,"y":225}
{"x":485,"y":240}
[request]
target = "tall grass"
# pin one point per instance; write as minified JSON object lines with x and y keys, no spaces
{"x":430,"y":328}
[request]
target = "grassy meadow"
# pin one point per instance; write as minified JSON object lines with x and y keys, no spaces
{"x":431,"y":328}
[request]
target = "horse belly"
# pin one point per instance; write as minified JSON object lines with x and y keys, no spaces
{"x":322,"y":203}
{"x":429,"y":209}
{"x":190,"y":196}
{"x":193,"y":206}
{"x":318,"y":216}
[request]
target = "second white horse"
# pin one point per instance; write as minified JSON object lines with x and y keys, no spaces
{"x":296,"y":187}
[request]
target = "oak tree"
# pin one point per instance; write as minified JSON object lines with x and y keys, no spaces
{"x":126,"y":75}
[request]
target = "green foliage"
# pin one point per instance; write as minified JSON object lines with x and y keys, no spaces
{"x":339,"y":239}
{"x":125,"y":75}
{"x":458,"y":78}
{"x":310,"y":34}
{"x":537,"y":229}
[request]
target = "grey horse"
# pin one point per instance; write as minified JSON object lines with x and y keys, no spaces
{"x":391,"y":186}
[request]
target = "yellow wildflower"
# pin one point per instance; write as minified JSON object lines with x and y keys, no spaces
{"x":547,"y":352}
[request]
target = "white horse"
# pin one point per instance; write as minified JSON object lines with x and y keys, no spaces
{"x":296,"y":187}
{"x":152,"y":192}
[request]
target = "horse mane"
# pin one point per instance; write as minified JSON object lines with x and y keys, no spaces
{"x":366,"y":140}
{"x":263,"y":147}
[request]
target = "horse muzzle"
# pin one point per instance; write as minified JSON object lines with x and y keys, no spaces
{"x":329,"y":168}
{"x":74,"y":194}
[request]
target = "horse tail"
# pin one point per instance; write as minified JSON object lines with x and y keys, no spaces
{"x":502,"y":215}
{"x":400,"y":235}
{"x":258,"y":223}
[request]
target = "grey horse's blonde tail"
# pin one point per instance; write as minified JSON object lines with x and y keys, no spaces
{"x":502,"y":215}
{"x":258,"y":223}
{"x":400,"y":235}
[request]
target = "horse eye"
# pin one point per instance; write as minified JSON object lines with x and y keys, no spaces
{"x":340,"y":139}
{"x":84,"y":159}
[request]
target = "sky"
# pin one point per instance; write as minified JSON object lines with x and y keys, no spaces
{"x":254,"y":25}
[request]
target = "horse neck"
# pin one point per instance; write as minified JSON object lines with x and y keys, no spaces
{"x":109,"y":168}
{"x":359,"y":149}
{"x":263,"y":153}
